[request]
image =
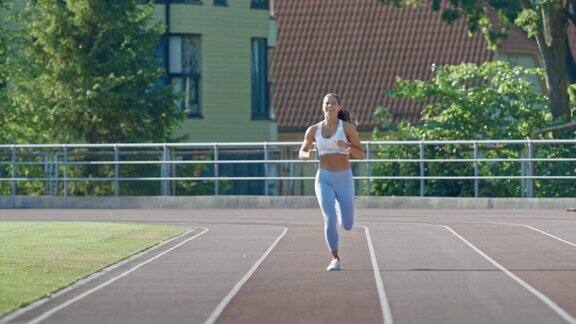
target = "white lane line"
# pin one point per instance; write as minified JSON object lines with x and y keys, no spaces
{"x":384,"y":305}
{"x":495,"y":223}
{"x":552,"y":236}
{"x":537,"y":230}
{"x":557,"y":309}
{"x":220,"y":308}
{"x":17,"y":313}
{"x":50,"y":312}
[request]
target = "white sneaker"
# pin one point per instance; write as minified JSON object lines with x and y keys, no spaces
{"x":334,"y":265}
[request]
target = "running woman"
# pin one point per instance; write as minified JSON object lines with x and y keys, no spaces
{"x":336,"y":139}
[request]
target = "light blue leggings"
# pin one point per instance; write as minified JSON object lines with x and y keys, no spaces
{"x":335,"y":193}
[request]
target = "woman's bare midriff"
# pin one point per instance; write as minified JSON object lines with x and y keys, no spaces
{"x":334,"y":162}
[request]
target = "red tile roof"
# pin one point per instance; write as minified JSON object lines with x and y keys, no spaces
{"x":355,"y":48}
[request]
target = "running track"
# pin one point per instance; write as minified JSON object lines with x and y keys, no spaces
{"x":267,"y":266}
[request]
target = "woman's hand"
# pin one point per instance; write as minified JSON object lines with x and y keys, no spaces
{"x":312,"y":154}
{"x":355,"y":147}
{"x":342,"y":144}
{"x":308,"y":150}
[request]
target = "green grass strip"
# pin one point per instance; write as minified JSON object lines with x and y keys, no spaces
{"x":39,"y":258}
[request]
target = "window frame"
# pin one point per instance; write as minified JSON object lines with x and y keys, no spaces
{"x":194,"y":2}
{"x":256,"y":4}
{"x":264,"y":112}
{"x":196,"y":76}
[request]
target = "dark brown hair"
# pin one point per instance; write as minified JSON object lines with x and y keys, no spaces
{"x":344,"y":115}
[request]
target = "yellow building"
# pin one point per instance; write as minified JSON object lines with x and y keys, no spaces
{"x":216,"y":53}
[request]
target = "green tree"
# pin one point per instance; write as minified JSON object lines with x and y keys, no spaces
{"x":469,"y":101}
{"x":3,"y":79}
{"x":16,"y":126}
{"x":545,"y":20}
{"x":86,"y":72}
{"x":4,"y":43}
{"x":89,"y":73}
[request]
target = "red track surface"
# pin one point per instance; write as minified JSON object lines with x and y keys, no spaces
{"x":453,"y":266}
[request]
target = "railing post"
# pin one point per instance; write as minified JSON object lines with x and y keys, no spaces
{"x":49,"y":173}
{"x":216,"y":167}
{"x":476,"y":180}
{"x":422,"y":170}
{"x":65,"y":176}
{"x":173,"y":174}
{"x":56,"y":168}
{"x":164,"y":171}
{"x":266,"y":169}
{"x":13,"y":182}
{"x":368,"y":168}
{"x":291,"y":181}
{"x":530,"y":181}
{"x":53,"y":174}
{"x":116,"y":171}
{"x":47,"y":183}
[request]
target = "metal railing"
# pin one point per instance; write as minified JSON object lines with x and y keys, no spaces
{"x":54,"y":167}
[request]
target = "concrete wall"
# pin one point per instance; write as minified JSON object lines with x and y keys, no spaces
{"x":282,"y":202}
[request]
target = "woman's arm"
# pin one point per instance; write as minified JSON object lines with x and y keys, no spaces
{"x":356,"y":147}
{"x":307,"y":151}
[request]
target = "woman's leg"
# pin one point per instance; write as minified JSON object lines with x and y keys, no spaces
{"x":326,"y":200}
{"x":344,"y":192}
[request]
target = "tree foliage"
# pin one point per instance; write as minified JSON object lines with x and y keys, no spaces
{"x":545,"y":20}
{"x":89,"y":74}
{"x":81,"y":72}
{"x":488,"y":101}
{"x":4,"y":44}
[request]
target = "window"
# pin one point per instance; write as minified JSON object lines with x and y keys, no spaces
{"x":187,"y":1}
{"x":220,"y":3}
{"x":518,"y":59}
{"x":259,"y":4}
{"x":184,"y":71}
{"x":259,"y":67}
{"x":514,"y":60}
{"x":525,"y":60}
{"x":160,"y":55}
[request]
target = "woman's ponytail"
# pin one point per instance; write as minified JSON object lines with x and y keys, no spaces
{"x":344,"y":115}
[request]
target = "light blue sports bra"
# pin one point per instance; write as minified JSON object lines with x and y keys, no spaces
{"x":328,"y":145}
